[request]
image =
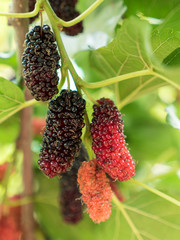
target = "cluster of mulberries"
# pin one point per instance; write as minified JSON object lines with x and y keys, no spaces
{"x":70,"y":201}
{"x":31,"y":4}
{"x":109,"y":141}
{"x":96,"y":191}
{"x":61,"y":138}
{"x":40,"y":61}
{"x":10,"y":223}
{"x":65,"y":9}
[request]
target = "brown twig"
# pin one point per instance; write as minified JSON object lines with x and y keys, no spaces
{"x":24,"y":140}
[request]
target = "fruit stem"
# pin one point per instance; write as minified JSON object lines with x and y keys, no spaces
{"x":68,"y":81}
{"x":64,"y":56}
{"x":157,"y":192}
{"x":126,"y":216}
{"x":87,"y":136}
{"x":81,"y":16}
{"x":25,"y":15}
{"x":89,"y":96}
{"x":76,"y":20}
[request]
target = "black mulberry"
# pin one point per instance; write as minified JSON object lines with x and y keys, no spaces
{"x":65,"y":9}
{"x":61,"y":139}
{"x":70,"y":202}
{"x":41,"y":61}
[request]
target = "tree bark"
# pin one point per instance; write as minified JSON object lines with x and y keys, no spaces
{"x":25,"y":137}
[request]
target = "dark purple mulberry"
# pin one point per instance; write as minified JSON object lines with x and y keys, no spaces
{"x":74,"y":30}
{"x":41,"y":61}
{"x":70,"y":202}
{"x":65,"y":9}
{"x":31,"y":4}
{"x":61,"y":138}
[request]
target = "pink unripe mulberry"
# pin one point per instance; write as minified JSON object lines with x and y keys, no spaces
{"x":109,"y":141}
{"x":96,"y":191}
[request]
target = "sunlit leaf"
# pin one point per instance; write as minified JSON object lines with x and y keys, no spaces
{"x":129,"y":52}
{"x":172,"y":117}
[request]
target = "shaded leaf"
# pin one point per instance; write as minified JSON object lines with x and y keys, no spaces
{"x":153,"y":217}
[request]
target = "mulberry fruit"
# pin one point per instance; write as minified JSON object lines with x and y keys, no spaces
{"x":96,"y":191}
{"x":70,"y":202}
{"x":61,"y":138}
{"x":74,"y":30}
{"x":109,"y":141}
{"x":40,"y":60}
{"x":65,"y":9}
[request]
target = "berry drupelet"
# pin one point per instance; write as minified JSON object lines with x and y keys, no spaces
{"x":109,"y":141}
{"x":62,"y":135}
{"x":41,"y":61}
{"x":70,"y":202}
{"x":96,"y":191}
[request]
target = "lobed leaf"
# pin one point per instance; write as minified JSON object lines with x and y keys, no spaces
{"x":132,"y":51}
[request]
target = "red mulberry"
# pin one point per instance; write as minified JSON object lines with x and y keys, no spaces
{"x":70,"y":202}
{"x":40,"y":61}
{"x":61,"y":139}
{"x":109,"y":143}
{"x":96,"y":191}
{"x":65,"y":9}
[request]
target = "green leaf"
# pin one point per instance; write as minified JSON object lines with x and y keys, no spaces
{"x":11,"y":98}
{"x":173,"y":59}
{"x":152,"y":217}
{"x":153,"y":8}
{"x":9,"y":59}
{"x":130,"y":52}
{"x":9,"y":129}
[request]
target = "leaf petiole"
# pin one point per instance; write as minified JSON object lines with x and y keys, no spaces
{"x":157,"y":192}
{"x":113,"y":80}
